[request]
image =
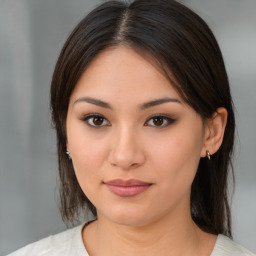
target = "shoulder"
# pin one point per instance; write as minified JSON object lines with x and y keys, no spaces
{"x":67,"y":243}
{"x":225,"y":247}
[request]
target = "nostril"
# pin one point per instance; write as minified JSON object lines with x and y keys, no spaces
{"x":127,"y":160}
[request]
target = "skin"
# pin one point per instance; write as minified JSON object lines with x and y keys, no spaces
{"x":128,"y":144}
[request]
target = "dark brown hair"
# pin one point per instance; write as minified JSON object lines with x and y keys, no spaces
{"x":182,"y":44}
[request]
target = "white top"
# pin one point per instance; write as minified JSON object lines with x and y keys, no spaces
{"x":70,"y":243}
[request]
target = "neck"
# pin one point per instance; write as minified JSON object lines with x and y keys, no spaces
{"x":162,"y":237}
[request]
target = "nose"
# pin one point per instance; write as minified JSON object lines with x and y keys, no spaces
{"x":126,"y":150}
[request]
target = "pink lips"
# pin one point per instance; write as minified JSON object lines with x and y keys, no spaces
{"x":127,"y":188}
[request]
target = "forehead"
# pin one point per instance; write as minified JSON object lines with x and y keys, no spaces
{"x":122,"y":71}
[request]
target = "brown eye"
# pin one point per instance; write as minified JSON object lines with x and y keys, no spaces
{"x":159,"y":121}
{"x":95,"y":121}
{"x":98,"y":120}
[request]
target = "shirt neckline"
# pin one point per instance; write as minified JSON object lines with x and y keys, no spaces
{"x":81,"y":250}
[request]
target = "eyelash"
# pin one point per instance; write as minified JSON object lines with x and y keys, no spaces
{"x":92,"y":116}
{"x":166,"y":120}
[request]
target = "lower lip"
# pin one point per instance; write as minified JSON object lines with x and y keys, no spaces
{"x":127,"y":191}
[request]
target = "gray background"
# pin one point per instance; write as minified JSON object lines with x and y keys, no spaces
{"x":32,"y":33}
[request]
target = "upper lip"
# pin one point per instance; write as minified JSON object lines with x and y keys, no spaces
{"x":127,"y":183}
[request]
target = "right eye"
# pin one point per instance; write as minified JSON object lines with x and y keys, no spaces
{"x":96,"y":120}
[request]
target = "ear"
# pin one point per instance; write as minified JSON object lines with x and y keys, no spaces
{"x":214,"y":131}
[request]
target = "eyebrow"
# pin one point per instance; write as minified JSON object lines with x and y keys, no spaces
{"x":143,"y":106}
{"x":94,"y":101}
{"x":158,"y":102}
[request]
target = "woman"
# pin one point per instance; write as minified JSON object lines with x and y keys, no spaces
{"x":145,"y":130}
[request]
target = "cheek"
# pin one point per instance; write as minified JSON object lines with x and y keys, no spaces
{"x":87,"y":153}
{"x":84,"y":147}
{"x":177,"y":158}
{"x":87,"y":157}
{"x":177,"y":148}
{"x":87,"y":162}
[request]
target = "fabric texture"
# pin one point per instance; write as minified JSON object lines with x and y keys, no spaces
{"x":67,"y":243}
{"x":224,"y":246}
{"x":70,"y":243}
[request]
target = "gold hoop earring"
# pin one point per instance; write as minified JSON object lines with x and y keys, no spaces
{"x":208,"y":154}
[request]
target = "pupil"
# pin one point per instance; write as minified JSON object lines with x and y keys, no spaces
{"x":158,"y":121}
{"x":98,"y":120}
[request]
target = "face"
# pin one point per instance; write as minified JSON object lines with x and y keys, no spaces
{"x":135,"y":145}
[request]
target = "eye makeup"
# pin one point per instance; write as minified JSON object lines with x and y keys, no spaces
{"x":157,"y":120}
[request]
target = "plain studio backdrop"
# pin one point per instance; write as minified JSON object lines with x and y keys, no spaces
{"x":32,"y":33}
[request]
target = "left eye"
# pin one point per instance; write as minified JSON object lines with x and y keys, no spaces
{"x":159,"y":121}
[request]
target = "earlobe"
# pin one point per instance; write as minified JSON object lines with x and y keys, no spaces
{"x":215,"y":129}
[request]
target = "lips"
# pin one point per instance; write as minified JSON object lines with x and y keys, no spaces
{"x":127,"y":188}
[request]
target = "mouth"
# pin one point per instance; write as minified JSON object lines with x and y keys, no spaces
{"x":127,"y":188}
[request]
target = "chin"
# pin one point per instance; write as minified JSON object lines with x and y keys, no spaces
{"x":129,"y":217}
